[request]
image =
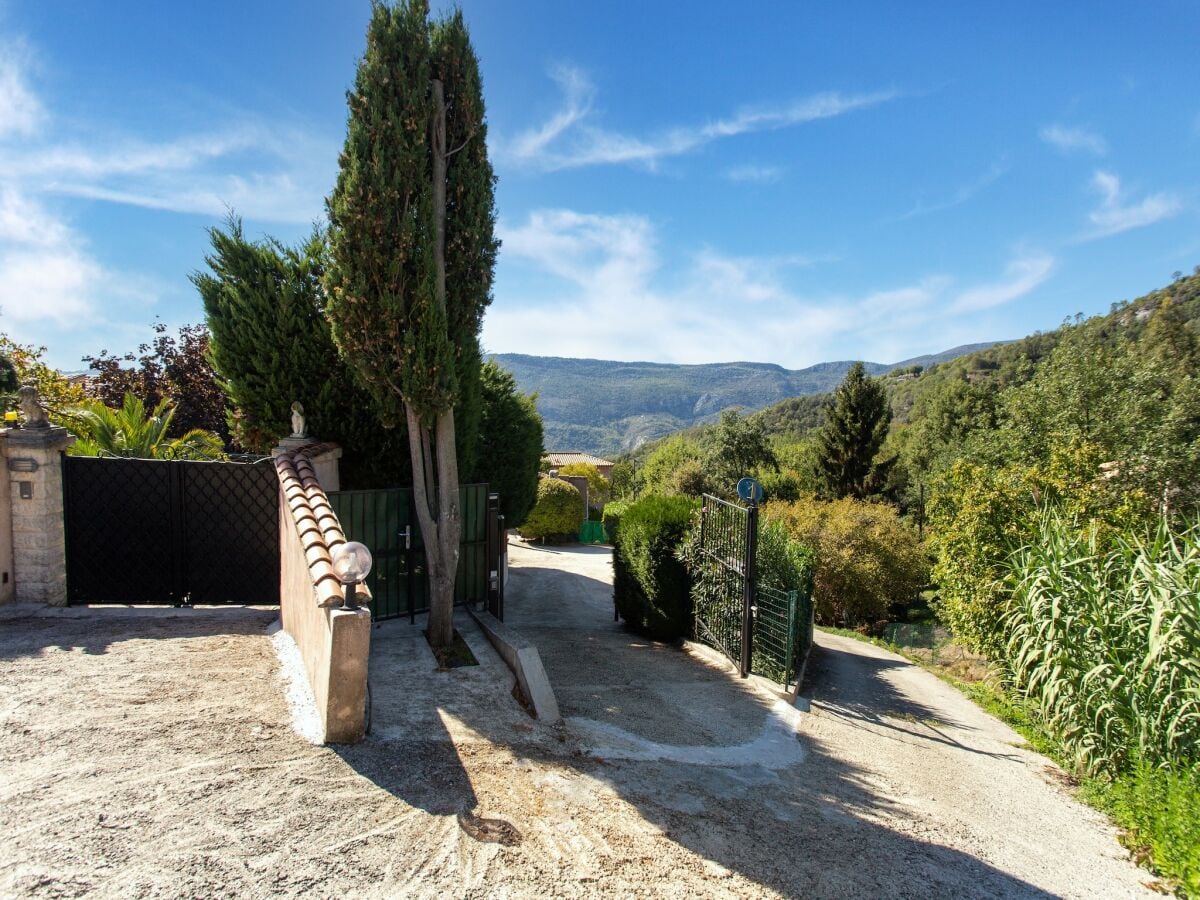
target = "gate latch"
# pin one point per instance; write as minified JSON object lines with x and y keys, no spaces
{"x":407,"y":534}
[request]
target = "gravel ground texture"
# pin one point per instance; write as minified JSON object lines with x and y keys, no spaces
{"x":155,"y":756}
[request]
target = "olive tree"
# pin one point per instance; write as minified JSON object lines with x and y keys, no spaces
{"x":413,"y":250}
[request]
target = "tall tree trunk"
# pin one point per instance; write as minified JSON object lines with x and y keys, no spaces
{"x":435,"y":460}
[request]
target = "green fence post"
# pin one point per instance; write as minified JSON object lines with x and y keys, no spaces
{"x":791,"y":637}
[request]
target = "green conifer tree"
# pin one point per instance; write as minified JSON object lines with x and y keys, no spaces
{"x":509,"y":458}
{"x":271,"y":345}
{"x":413,"y":250}
{"x":856,"y":423}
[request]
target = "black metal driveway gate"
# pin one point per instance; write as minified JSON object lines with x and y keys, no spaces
{"x":171,"y":531}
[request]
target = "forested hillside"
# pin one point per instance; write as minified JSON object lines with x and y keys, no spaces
{"x":608,"y":407}
{"x":959,"y":392}
{"x":1040,"y":501}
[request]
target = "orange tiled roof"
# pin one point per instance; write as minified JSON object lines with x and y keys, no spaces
{"x":320,"y":532}
{"x":566,"y":457}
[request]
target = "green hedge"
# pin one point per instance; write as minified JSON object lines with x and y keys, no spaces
{"x":557,"y":514}
{"x":612,"y":516}
{"x":650,"y":584}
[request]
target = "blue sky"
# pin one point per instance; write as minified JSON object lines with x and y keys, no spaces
{"x":794,"y":184}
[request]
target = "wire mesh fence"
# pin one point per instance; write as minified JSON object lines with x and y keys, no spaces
{"x":724,"y":582}
{"x":782,"y":633}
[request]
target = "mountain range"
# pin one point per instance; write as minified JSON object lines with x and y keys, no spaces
{"x":608,"y":408}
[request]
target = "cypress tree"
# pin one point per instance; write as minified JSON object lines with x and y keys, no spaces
{"x":413,"y":250}
{"x":856,"y":423}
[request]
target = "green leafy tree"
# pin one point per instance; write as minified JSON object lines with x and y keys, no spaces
{"x":623,"y":477}
{"x":868,"y":562}
{"x":130,"y":431}
{"x":1135,"y":397}
{"x":856,"y":423}
{"x":55,"y":392}
{"x":511,"y":449}
{"x":413,"y":251}
{"x":737,"y":447}
{"x":271,"y":344}
{"x":690,"y":479}
{"x":979,"y":514}
{"x":8,"y":383}
{"x":657,"y":474}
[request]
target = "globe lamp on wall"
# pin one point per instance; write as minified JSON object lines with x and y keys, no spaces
{"x":351,"y":564}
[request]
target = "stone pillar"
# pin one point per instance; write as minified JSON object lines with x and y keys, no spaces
{"x":33,"y":472}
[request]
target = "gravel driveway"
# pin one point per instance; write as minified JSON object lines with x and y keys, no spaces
{"x":155,"y":757}
{"x":892,"y":783}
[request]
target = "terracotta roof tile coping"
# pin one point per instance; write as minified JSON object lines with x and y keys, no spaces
{"x":318,"y":527}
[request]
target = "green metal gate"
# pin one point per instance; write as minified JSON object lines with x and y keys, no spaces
{"x":760,"y":628}
{"x":385,"y":521}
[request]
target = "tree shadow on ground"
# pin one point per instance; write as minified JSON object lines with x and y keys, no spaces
{"x":95,"y":631}
{"x":805,"y":825}
{"x":872,"y":700}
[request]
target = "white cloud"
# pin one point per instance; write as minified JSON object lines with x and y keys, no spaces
{"x":610,"y":296}
{"x":45,"y":274}
{"x":578,"y":93}
{"x":755,"y":174}
{"x":1022,"y":275}
{"x":566,"y":140}
{"x":962,"y":195}
{"x":51,"y":282}
{"x":21,"y":112}
{"x":273,"y":171}
{"x":1115,"y":215}
{"x":1072,"y":140}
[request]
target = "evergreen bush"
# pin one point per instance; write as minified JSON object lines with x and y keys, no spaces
{"x":651,"y":586}
{"x":510,"y":445}
{"x":557,"y":514}
{"x":612,"y":516}
{"x":782,"y":563}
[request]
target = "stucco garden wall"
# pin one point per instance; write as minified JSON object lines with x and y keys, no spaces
{"x":334,"y":643}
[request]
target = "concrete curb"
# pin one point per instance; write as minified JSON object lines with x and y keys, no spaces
{"x":526,"y":663}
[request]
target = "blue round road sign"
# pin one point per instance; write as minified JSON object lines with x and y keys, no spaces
{"x":750,"y":490}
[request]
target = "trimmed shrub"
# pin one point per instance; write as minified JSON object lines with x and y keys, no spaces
{"x":557,"y":514}
{"x":612,"y":516}
{"x":868,"y":561}
{"x":651,"y":587}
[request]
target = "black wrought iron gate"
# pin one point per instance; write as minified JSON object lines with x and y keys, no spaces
{"x":724,"y":586}
{"x":171,"y":531}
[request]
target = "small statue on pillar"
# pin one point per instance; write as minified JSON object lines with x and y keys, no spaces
{"x":34,"y":412}
{"x":298,"y":421}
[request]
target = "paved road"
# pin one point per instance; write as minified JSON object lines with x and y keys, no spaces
{"x":891,"y":784}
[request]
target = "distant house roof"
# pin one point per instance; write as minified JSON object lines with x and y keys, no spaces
{"x":566,"y":457}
